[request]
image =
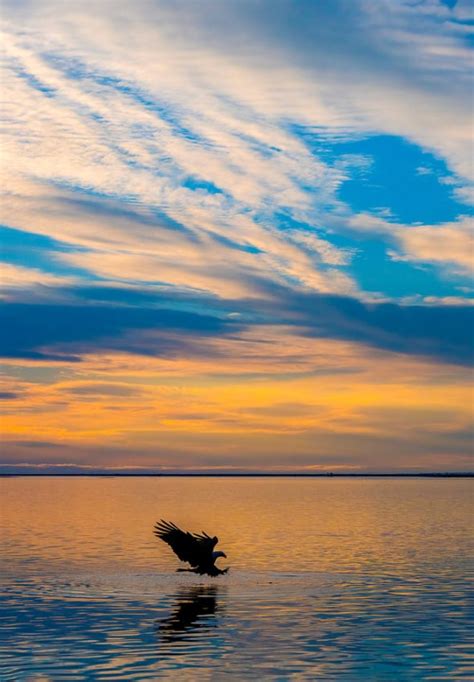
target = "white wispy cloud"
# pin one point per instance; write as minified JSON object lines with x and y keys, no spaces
{"x":448,"y":245}
{"x":14,"y":277}
{"x":188,"y":112}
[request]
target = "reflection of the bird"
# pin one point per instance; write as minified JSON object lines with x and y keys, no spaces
{"x":194,"y":608}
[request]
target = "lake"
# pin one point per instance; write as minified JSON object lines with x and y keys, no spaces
{"x":330,"y":578}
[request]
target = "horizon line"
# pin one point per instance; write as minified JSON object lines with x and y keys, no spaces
{"x":327,"y":474}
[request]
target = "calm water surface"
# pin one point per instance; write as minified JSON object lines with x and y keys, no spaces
{"x":352,"y":579}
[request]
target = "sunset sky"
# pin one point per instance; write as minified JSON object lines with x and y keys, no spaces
{"x":236,"y":235}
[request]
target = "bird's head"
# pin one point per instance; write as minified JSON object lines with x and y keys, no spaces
{"x":216,"y":555}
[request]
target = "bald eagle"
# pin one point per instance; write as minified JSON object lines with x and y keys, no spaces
{"x":198,"y":550}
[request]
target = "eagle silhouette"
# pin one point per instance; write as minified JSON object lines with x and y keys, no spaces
{"x":196,"y":549}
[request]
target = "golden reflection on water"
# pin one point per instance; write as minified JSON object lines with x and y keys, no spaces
{"x":353,"y":579}
{"x":286,"y":524}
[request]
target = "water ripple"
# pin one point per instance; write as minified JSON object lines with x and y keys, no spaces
{"x":388,"y":601}
{"x":138,"y":626}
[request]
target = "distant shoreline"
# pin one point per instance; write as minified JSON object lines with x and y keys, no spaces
{"x":237,"y":475}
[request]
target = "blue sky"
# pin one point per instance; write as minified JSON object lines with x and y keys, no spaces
{"x":187,"y":184}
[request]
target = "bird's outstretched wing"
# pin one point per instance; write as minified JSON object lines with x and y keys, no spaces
{"x":193,"y":548}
